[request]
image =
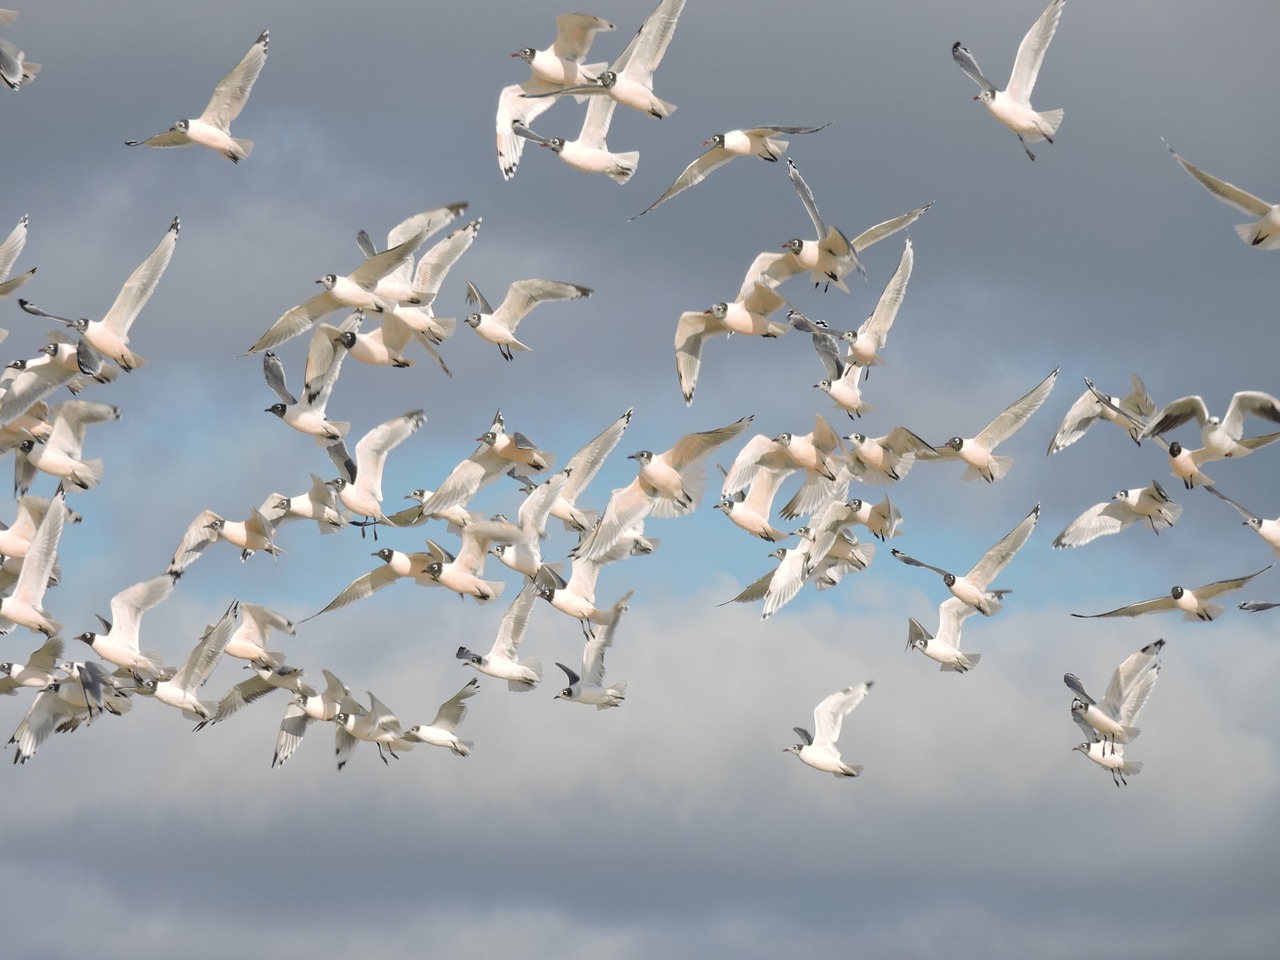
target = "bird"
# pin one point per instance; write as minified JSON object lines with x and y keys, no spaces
{"x":945,"y":647}
{"x":882,"y":519}
{"x":249,"y":641}
{"x":1012,"y":105}
{"x":978,"y":452}
{"x":889,"y":458}
{"x":110,"y":335}
{"x":118,"y":643}
{"x":1130,"y":412}
{"x":1191,"y":601}
{"x":485,"y":465}
{"x":865,"y":343}
{"x":12,"y":246}
{"x":212,"y":128}
{"x":1268,"y":530}
{"x":576,"y":597}
{"x":25,"y":605}
{"x":550,"y":71}
{"x":64,"y":706}
{"x":747,"y":315}
{"x":499,"y":326}
{"x":61,"y":362}
{"x":1125,"y":508}
{"x":308,"y":414}
{"x":1264,"y":233}
{"x":818,"y":749}
{"x":629,"y":79}
{"x":402,"y":283}
{"x":1112,"y":718}
{"x":442,"y":731}
{"x":15,"y":68}
{"x":318,"y":503}
{"x":180,"y":690}
{"x":303,"y":708}
{"x":360,"y":490}
{"x":464,"y":574}
{"x":1221,"y":437}
{"x":750,"y":510}
{"x":972,"y":588}
{"x":251,"y":535}
{"x":589,"y":153}
{"x":780,"y":585}
{"x":60,"y":454}
{"x":377,"y":725}
{"x":669,"y":484}
{"x":589,"y":686}
{"x":355,"y":290}
{"x":759,"y":142}
{"x":1110,"y":757}
{"x":395,"y":566}
{"x":500,"y":661}
{"x":582,"y":468}
{"x":39,"y":670}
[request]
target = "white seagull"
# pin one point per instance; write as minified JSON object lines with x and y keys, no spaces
{"x":442,"y":731}
{"x":15,"y":68}
{"x":1012,"y":106}
{"x":978,"y":452}
{"x":589,"y":153}
{"x":1126,"y":508}
{"x":360,"y":490}
{"x":118,"y":644}
{"x":1192,"y":602}
{"x":589,"y":686}
{"x":9,"y":253}
{"x":945,"y":647}
{"x":1268,"y":530}
{"x":1112,"y":718}
{"x":1130,"y":412}
{"x":305,"y":707}
{"x":747,"y":315}
{"x":212,"y":128}
{"x":500,"y":661}
{"x":818,"y":749}
{"x":1221,"y":437}
{"x":499,"y":326}
{"x":1263,"y":233}
{"x":180,"y":691}
{"x":1111,"y":757}
{"x":60,"y":454}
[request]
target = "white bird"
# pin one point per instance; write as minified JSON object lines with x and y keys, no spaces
{"x":377,"y":725}
{"x":747,"y":315}
{"x":883,"y":519}
{"x":500,"y":661}
{"x":1264,"y":233}
{"x":442,"y":731}
{"x":1192,"y":602}
{"x":251,"y":535}
{"x":39,"y":670}
{"x":15,"y":68}
{"x":818,"y":453}
{"x":60,"y":455}
{"x":485,"y":464}
{"x":1125,"y":508}
{"x":779,"y":586}
{"x":118,"y":644}
{"x":250,"y":639}
{"x":589,"y":686}
{"x":1111,"y":757}
{"x":61,"y":362}
{"x":110,"y":335}
{"x":550,"y":71}
{"x":576,"y":597}
{"x":589,"y":153}
{"x":818,"y":749}
{"x":1112,"y":719}
{"x":307,"y":414}
{"x":464,"y":574}
{"x":1221,"y":437}
{"x":629,"y":79}
{"x":212,"y":128}
{"x":751,"y":510}
{"x":318,"y":503}
{"x":401,"y":284}
{"x":759,"y":142}
{"x":889,"y":458}
{"x":180,"y":691}
{"x":582,"y":468}
{"x":1268,"y":530}
{"x":64,"y":706}
{"x":945,"y":647}
{"x":360,"y":491}
{"x":1012,"y":105}
{"x":1130,"y":412}
{"x":973,"y":587}
{"x":978,"y":452}
{"x":25,"y":605}
{"x":865,"y":343}
{"x":355,"y":290}
{"x":11,"y":249}
{"x":499,"y":326}
{"x":395,"y":566}
{"x":669,"y":484}
{"x":305,"y":707}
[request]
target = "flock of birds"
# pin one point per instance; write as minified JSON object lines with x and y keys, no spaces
{"x":397,"y":285}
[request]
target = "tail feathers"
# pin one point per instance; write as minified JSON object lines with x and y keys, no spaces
{"x":772,"y":149}
{"x":850,"y":770}
{"x":129,"y":360}
{"x":88,"y":475}
{"x":243,"y":148}
{"x":1131,"y":768}
{"x":1253,"y":235}
{"x":494,"y":590}
{"x":1128,"y":734}
{"x":963,"y":663}
{"x":534,"y":664}
{"x":462,"y":747}
{"x":996,"y":471}
{"x":617,"y":691}
{"x":1169,"y":514}
{"x":660,"y":108}
{"x":1210,"y":611}
{"x":272,"y":658}
{"x":1050,"y":120}
{"x":340,"y":427}
{"x":624,"y":166}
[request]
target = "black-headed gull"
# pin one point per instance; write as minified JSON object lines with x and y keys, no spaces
{"x":212,"y":128}
{"x":1012,"y":105}
{"x":15,"y":68}
{"x":500,"y":661}
{"x":750,"y":510}
{"x":60,"y":455}
{"x":181,"y":690}
{"x":973,"y":587}
{"x":118,"y":644}
{"x":1130,"y":412}
{"x":498,"y":326}
{"x":945,"y":647}
{"x":747,"y":315}
{"x":39,"y":670}
{"x":589,"y":153}
{"x":589,"y":686}
{"x":977,"y":452}
{"x":377,"y":725}
{"x":576,"y":597}
{"x":64,"y":706}
{"x":1222,"y":437}
{"x":1111,"y":758}
{"x":9,"y":252}
{"x":869,"y":339}
{"x":1268,"y":530}
{"x":305,"y":707}
{"x":889,"y":458}
{"x":1124,"y":509}
{"x":395,"y":566}
{"x":110,"y":335}
{"x":1193,"y":602}
{"x":1264,"y":233}
{"x":1112,"y":718}
{"x":442,"y":731}
{"x":251,"y":535}
{"x":360,"y":490}
{"x":464,"y":574}
{"x":818,"y":749}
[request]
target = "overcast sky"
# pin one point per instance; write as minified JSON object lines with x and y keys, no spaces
{"x":673,"y":826}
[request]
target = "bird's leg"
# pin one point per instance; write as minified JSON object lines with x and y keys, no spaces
{"x":1025,"y":147}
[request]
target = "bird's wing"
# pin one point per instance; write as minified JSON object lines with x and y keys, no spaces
{"x":595,"y":123}
{"x":961,"y":55}
{"x":1026,"y":65}
{"x":1249,"y":403}
{"x":372,"y":450}
{"x":1177,"y":413}
{"x":586,"y":463}
{"x":514,"y":622}
{"x":232,"y":93}
{"x":694,"y":173}
{"x":34,"y":577}
{"x":1142,"y":608}
{"x":998,"y":557}
{"x":694,"y":446}
{"x":454,"y":709}
{"x":1215,"y":589}
{"x":523,"y":295}
{"x":1017,"y":413}
{"x":1226,"y":192}
{"x":324,"y":361}
{"x":293,"y":727}
{"x":141,"y":284}
{"x":428,"y":223}
{"x":381,"y":264}
{"x":627,"y":506}
{"x":952,"y":613}
{"x":806,"y":197}
{"x":574,"y":34}
{"x":1247,"y":514}
{"x":11,"y":248}
{"x":647,"y":48}
{"x":435,"y":264}
{"x":1077,"y":420}
{"x":482,"y":467}
{"x":1129,"y":687}
{"x":830,"y":713}
{"x":359,"y":588}
{"x":876,"y":327}
{"x":128,"y":606}
{"x":295,"y":320}
{"x":887,"y":229}
{"x":593,"y":651}
{"x":273,"y":371}
{"x":1100,"y":520}
{"x":912,"y":561}
{"x":207,"y":652}
{"x":520,"y":103}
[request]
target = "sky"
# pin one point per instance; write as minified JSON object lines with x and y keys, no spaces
{"x":674,"y":825}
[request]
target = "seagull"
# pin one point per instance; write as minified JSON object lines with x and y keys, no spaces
{"x":377,"y":725}
{"x":303,"y":708}
{"x":589,"y":687}
{"x":481,"y":468}
{"x":1192,"y":602}
{"x":759,"y":142}
{"x":1126,"y":508}
{"x":1220,"y":436}
{"x":747,"y":315}
{"x":1264,"y":233}
{"x":249,"y":641}
{"x":63,"y":706}
{"x":307,"y":415}
{"x":11,"y":249}
{"x":972,"y":587}
{"x":252,"y":534}
{"x":360,"y":491}
{"x":589,"y":153}
{"x":180,"y":690}
{"x":400,"y":285}
{"x":978,"y":452}
{"x":355,"y":290}
{"x":551,"y":70}
{"x":318,"y":503}
{"x":15,"y":539}
{"x":441,"y":731}
{"x":40,"y":669}
{"x":945,"y":647}
{"x":582,"y":468}
{"x":212,"y":128}
{"x":499,"y":326}
{"x":1130,"y":412}
{"x":886,"y":459}
{"x":629,"y":79}
{"x":882,"y":519}
{"x":463,"y":574}
{"x":1111,"y":757}
{"x":1112,"y":719}
{"x":819,"y":749}
{"x":1268,"y":530}
{"x":25,"y":605}
{"x":110,"y":335}
{"x":750,"y":510}
{"x":779,"y":586}
{"x":15,"y":68}
{"x":60,"y":453}
{"x":1012,"y":106}
{"x":870,"y":338}
{"x":669,"y":484}
{"x":396,"y":566}
{"x":500,"y":661}
{"x":74,"y":365}
{"x":118,"y":643}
